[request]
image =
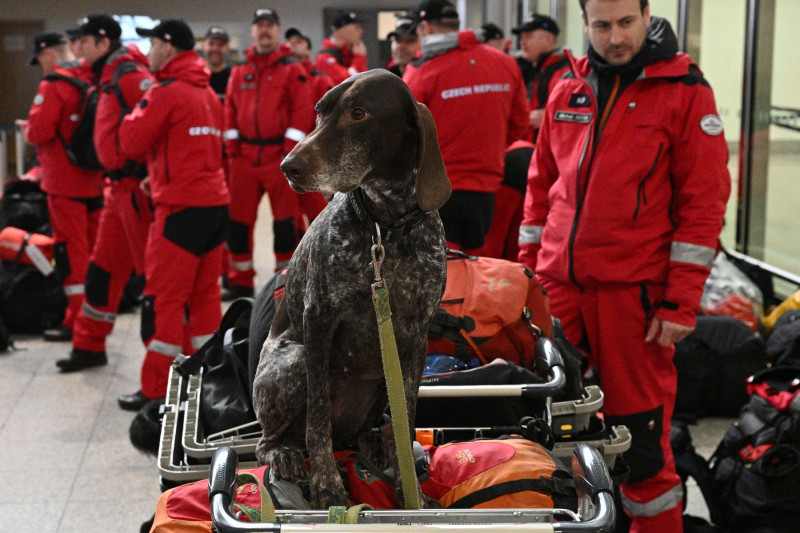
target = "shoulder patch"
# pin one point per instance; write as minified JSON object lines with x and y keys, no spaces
{"x":711,"y":125}
{"x":145,"y":84}
{"x":38,"y":99}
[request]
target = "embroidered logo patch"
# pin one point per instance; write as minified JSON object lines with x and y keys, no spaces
{"x":249,"y":77}
{"x":711,"y":125}
{"x":38,"y":99}
{"x":579,"y":100}
{"x":145,"y":84}
{"x":569,"y":116}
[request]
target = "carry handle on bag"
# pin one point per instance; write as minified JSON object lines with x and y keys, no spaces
{"x":592,"y":482}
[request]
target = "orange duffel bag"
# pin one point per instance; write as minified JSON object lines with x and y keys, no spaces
{"x":34,"y":249}
{"x":491,"y":308}
{"x":512,"y":473}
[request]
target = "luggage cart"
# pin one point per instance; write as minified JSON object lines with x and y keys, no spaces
{"x":185,"y":451}
{"x":596,"y":511}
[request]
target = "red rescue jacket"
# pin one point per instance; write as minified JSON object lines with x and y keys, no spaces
{"x":268,"y":101}
{"x":320,"y":81}
{"x":52,"y":120}
{"x":643,"y":200}
{"x":134,"y":78}
{"x":178,"y":126}
{"x":339,"y":62}
{"x":477,"y":98}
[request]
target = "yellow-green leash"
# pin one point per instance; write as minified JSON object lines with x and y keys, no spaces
{"x":394,"y":380}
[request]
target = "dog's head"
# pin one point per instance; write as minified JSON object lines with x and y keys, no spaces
{"x":370,"y":132}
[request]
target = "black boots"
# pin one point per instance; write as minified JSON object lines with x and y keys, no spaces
{"x":80,"y":359}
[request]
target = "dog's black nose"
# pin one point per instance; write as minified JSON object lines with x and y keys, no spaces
{"x":293,"y":166}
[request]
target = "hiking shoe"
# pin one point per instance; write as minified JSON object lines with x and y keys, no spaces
{"x":80,"y":359}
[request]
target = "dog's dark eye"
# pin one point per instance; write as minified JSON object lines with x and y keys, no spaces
{"x":358,"y":113}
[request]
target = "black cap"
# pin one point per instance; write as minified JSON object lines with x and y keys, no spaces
{"x":343,"y":19}
{"x":537,"y":22}
{"x":294,"y":32}
{"x":405,"y":26}
{"x":436,"y":10}
{"x":266,"y":14}
{"x":492,"y":31}
{"x":217,"y":32}
{"x":174,"y":31}
{"x":73,"y":33}
{"x":291,"y":32}
{"x":99,"y":25}
{"x":45,"y":40}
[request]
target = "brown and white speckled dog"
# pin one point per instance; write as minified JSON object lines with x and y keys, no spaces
{"x":320,"y":379}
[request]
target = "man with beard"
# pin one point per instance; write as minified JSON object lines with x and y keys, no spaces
{"x":216,"y":48}
{"x":268,"y":109}
{"x":121,"y":76}
{"x":625,"y":202}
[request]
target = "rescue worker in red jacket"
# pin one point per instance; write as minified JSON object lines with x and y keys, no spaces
{"x":475,"y":94}
{"x":74,"y":196}
{"x":405,"y":44}
{"x":343,"y":53}
{"x":537,"y":39}
{"x":311,"y":203}
{"x":625,"y":202}
{"x":121,"y":76}
{"x":268,"y":109}
{"x":178,"y":126}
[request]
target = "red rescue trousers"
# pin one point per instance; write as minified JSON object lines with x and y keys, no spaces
{"x":74,"y":223}
{"x":248,"y":182}
{"x":181,"y":308}
{"x":118,"y":251}
{"x":639,"y":382}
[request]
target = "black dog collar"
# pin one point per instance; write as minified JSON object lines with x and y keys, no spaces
{"x":389,"y":232}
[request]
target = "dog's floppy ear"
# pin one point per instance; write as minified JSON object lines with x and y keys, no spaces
{"x":433,"y":185}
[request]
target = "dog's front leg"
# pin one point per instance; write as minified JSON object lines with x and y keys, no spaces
{"x":326,"y":484}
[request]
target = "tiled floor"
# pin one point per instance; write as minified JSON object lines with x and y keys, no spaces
{"x":66,"y":464}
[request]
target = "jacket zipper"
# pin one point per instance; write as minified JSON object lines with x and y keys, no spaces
{"x":259,"y":72}
{"x":581,"y":196}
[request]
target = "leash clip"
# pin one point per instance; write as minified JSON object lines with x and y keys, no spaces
{"x":378,"y":253}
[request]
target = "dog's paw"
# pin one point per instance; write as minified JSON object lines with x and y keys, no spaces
{"x":286,"y":463}
{"x":327,"y":493}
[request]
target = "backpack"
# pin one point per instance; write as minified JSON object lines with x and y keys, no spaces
{"x":491,"y":308}
{"x":30,"y":302}
{"x":225,"y":398}
{"x":713,"y":364}
{"x":510,"y":473}
{"x":24,"y":206}
{"x":80,"y":146}
{"x":755,"y":468}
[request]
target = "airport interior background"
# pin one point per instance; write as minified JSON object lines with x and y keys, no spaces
{"x":67,"y":464}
